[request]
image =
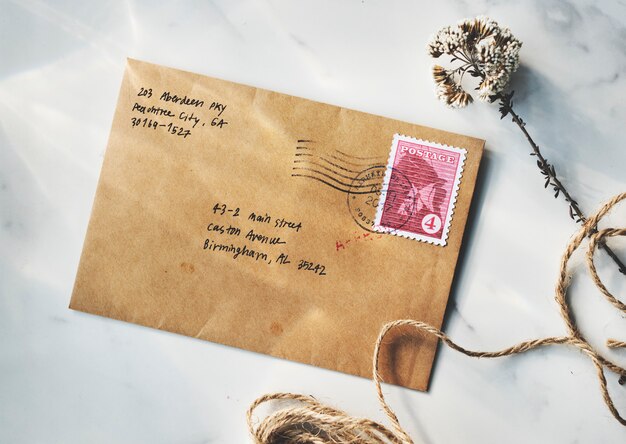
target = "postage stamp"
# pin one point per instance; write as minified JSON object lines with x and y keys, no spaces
{"x":434,"y":173}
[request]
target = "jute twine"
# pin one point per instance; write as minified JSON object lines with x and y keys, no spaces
{"x":306,"y":420}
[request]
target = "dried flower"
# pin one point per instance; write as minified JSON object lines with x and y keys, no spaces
{"x":448,"y":90}
{"x":490,"y":53}
{"x":486,"y":50}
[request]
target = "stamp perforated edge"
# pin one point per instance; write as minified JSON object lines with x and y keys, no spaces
{"x":451,"y":204}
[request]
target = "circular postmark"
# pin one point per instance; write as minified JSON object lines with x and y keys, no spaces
{"x":367,"y":191}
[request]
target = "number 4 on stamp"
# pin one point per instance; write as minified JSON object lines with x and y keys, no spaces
{"x":421,"y":182}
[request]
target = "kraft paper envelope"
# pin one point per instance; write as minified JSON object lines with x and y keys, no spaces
{"x":254,"y":219}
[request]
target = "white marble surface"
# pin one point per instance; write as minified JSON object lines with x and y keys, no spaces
{"x":68,"y":377}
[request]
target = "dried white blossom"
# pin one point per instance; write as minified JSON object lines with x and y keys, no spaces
{"x":487,"y":51}
{"x":448,"y":90}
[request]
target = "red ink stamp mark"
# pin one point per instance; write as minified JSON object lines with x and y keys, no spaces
{"x":434,"y":172}
{"x":364,"y":236}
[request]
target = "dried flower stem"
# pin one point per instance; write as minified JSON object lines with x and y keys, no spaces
{"x":506,"y":107}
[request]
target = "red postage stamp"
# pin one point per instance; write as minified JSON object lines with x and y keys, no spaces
{"x":421,"y":184}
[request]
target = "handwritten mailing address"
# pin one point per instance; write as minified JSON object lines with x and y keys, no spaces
{"x":174,"y":114}
{"x":240,"y":236}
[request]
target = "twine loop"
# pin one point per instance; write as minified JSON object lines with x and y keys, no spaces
{"x":311,"y":422}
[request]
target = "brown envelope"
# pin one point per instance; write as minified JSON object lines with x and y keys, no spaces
{"x":246,"y":217}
